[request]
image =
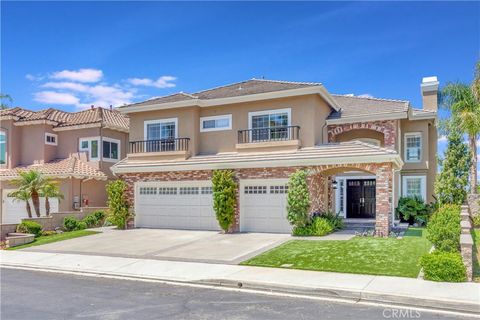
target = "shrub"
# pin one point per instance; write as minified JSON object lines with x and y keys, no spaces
{"x":72,"y":224}
{"x":48,"y":233}
{"x":444,"y":228}
{"x":31,"y":227}
{"x":118,"y":204}
{"x":298,"y":199}
{"x":224,"y":197}
{"x":319,"y":226}
{"x":414,"y":209}
{"x":476,"y":221}
{"x":443,"y":266}
{"x":94,"y":219}
{"x":335,"y":220}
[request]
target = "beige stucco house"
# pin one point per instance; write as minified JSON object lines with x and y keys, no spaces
{"x":77,"y":149}
{"x":361,"y":153}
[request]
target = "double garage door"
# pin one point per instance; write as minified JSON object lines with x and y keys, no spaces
{"x":189,"y":205}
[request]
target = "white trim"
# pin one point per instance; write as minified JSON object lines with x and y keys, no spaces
{"x":423,"y":185}
{"x":372,"y":141}
{"x":365,"y":118}
{"x":225,"y":116}
{"x":269,"y":112}
{"x":147,"y":122}
{"x":318,"y":89}
{"x":412,"y":134}
{"x":52,"y":135}
{"x":119,"y":149}
{"x":89,"y":148}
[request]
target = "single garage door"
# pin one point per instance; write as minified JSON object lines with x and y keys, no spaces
{"x":263,"y":206}
{"x":13,"y":211}
{"x":175,"y":205}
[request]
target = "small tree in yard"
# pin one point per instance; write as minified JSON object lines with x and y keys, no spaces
{"x":298,"y":199}
{"x":224,"y":197}
{"x":118,"y":204}
{"x":452,"y":181}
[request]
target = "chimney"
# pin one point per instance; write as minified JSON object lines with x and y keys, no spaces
{"x":429,"y":89}
{"x":92,"y":107}
{"x":111,"y":107}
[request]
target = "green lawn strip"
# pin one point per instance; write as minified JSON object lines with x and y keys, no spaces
{"x":378,"y":256}
{"x":476,"y":254}
{"x":54,"y":238}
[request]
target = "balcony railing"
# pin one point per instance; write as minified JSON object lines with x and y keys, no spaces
{"x":268,"y":134}
{"x":160,"y":145}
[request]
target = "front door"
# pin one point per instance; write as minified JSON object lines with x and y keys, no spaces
{"x":361,"y":198}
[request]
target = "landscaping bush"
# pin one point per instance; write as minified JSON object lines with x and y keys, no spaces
{"x":94,"y":219}
{"x":335,"y":220}
{"x":319,"y":226}
{"x":118,"y":204}
{"x":444,"y":229}
{"x":443,"y":266}
{"x":224,"y":197}
{"x":72,"y":224}
{"x":298,"y":200}
{"x":414,"y":210}
{"x":48,"y":233}
{"x":31,"y":227}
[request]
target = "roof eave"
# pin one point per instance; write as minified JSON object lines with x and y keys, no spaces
{"x":378,"y":116}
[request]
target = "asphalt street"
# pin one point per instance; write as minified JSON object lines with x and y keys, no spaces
{"x":42,"y":295}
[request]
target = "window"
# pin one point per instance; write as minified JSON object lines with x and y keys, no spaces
{"x":414,"y":186}
{"x":278,"y":189}
{"x":255,"y":189}
{"x":167,"y":190}
{"x":189,"y":190}
{"x":148,"y":190}
{"x":207,"y":190}
{"x":110,"y":149}
{"x":413,"y":147}
{"x":165,"y":130}
{"x":3,"y":148}
{"x":270,"y":124}
{"x":91,"y":146}
{"x":216,"y":123}
{"x":51,"y":139}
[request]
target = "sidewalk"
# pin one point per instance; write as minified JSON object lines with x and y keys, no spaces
{"x":463,"y":297}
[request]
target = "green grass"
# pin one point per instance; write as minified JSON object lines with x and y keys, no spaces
{"x":54,"y":238}
{"x":378,"y":256}
{"x":476,"y":254}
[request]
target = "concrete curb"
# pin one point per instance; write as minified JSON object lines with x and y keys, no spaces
{"x":321,"y":292}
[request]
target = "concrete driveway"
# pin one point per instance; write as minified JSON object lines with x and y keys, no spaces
{"x":163,"y":244}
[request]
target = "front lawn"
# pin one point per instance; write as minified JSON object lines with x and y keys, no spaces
{"x":54,"y":238}
{"x":392,"y":257}
{"x":476,"y":255}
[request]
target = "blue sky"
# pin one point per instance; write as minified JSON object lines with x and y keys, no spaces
{"x":70,"y":55}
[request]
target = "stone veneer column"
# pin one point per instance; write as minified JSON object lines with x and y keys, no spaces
{"x":383,"y":217}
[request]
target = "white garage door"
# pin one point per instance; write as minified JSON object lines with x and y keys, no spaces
{"x":175,"y":205}
{"x":263,"y":206}
{"x":14,"y":211}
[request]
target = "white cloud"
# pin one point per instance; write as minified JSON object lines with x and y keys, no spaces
{"x":365,"y":95}
{"x":53,"y":97}
{"x":32,"y":77}
{"x":162,"y":82}
{"x":80,"y":75}
{"x":74,"y":86}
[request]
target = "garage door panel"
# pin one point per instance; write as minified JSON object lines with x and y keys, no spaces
{"x":179,"y":205}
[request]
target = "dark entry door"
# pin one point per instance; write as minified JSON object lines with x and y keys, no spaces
{"x":361,"y":198}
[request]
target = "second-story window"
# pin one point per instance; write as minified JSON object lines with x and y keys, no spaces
{"x":160,"y":134}
{"x":51,"y":139}
{"x":3,"y":148}
{"x":269,"y":124}
{"x":110,"y":149}
{"x":216,"y":123}
{"x":91,"y":146}
{"x":413,"y":147}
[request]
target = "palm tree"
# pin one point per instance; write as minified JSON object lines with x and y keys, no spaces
{"x":464,"y":104}
{"x":50,"y":189}
{"x":31,"y":182}
{"x":22,"y":195}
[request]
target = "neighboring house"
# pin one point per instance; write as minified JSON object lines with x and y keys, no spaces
{"x":361,"y":153}
{"x":77,"y":149}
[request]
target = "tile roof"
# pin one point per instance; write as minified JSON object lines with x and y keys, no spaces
{"x":59,"y":168}
{"x":110,"y":118}
{"x":353,"y":106}
{"x":253,"y":86}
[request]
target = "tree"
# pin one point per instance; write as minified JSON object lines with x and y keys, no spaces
{"x":22,"y":195}
{"x":298,"y":199}
{"x":451,"y":183}
{"x":4,"y":97}
{"x":31,"y":182}
{"x":50,"y":189}
{"x":118,"y":204}
{"x":464,"y":103}
{"x":224,"y":197}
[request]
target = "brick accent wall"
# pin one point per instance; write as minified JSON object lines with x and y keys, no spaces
{"x":387,"y":128}
{"x":318,"y":182}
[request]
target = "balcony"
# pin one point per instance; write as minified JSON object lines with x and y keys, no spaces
{"x":176,"y":148}
{"x":279,"y":138}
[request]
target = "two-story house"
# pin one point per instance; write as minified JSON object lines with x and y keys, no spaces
{"x":361,"y":153}
{"x":76,"y":149}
